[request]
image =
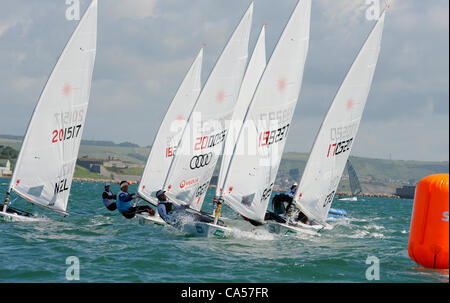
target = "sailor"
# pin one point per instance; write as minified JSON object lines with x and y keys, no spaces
{"x":124,"y":205}
{"x":172,"y":213}
{"x":290,"y":209}
{"x":217,"y":209}
{"x":109,"y":199}
{"x":302,"y":218}
{"x":165,"y":207}
{"x":293,"y":189}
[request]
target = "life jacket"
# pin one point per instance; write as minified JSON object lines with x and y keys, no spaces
{"x":168,"y":205}
{"x":107,"y":201}
{"x":122,"y":205}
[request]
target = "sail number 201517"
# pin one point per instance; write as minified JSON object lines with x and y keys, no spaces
{"x":65,"y":133}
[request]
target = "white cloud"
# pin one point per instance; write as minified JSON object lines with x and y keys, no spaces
{"x":145,"y":48}
{"x":343,"y":10}
{"x":134,"y":9}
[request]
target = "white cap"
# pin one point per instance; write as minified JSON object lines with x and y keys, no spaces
{"x":107,"y":184}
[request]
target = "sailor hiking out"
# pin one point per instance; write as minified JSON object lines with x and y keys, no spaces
{"x":125,"y":205}
{"x":109,"y":199}
{"x":174,"y":214}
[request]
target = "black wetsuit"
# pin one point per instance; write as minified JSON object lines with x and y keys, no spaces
{"x":108,"y":198}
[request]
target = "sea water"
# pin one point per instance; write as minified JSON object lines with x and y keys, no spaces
{"x":370,"y":244}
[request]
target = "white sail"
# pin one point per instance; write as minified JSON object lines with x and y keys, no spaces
{"x":46,"y":163}
{"x":355,"y":186}
{"x":254,"y":167}
{"x":337,"y":134}
{"x":166,"y":140}
{"x":202,"y":140}
{"x":254,"y":71}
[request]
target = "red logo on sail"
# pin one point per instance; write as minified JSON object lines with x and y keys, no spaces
{"x":349,"y":104}
{"x":220,"y":96}
{"x":188,"y":183}
{"x":67,"y":89}
{"x":281,"y":84}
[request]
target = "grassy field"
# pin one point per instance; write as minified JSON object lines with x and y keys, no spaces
{"x":130,"y":154}
{"x":81,"y":172}
{"x":134,"y":171}
{"x":376,"y":169}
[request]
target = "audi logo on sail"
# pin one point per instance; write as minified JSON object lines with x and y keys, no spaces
{"x":201,"y":160}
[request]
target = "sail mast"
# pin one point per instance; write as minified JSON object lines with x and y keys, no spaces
{"x":222,"y":87}
{"x":249,"y":182}
{"x":184,"y":101}
{"x":255,"y":69}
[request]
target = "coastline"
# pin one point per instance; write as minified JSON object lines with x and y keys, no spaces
{"x":275,"y":190}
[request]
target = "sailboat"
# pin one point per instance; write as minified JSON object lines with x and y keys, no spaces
{"x":201,"y":142}
{"x":355,"y":186}
{"x":334,"y":141}
{"x":249,"y":178}
{"x":166,"y":140}
{"x":46,"y":163}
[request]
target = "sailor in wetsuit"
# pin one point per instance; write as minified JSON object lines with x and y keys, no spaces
{"x":125,"y":206}
{"x":109,"y":199}
{"x":168,"y":210}
{"x":172,"y":213}
{"x":293,"y":189}
{"x":291,"y":209}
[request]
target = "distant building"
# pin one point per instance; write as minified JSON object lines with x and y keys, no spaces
{"x":88,"y":162}
{"x":406,"y":192}
{"x":5,"y":168}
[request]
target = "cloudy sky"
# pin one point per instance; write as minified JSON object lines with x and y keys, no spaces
{"x":145,"y":47}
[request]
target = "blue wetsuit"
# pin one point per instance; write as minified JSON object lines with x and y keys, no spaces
{"x":124,"y":201}
{"x":126,"y":208}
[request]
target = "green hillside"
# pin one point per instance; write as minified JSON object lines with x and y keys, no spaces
{"x":81,"y":172}
{"x":376,"y":169}
{"x":377,"y":172}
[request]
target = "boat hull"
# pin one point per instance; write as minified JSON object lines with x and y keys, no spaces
{"x":298,"y":229}
{"x":352,"y":199}
{"x":147,"y":219}
{"x":207,"y":230}
{"x":14,"y":217}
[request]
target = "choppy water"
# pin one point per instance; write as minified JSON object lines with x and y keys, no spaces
{"x":111,"y":248}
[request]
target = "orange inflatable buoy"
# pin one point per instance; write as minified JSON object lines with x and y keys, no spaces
{"x":428,"y":235}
